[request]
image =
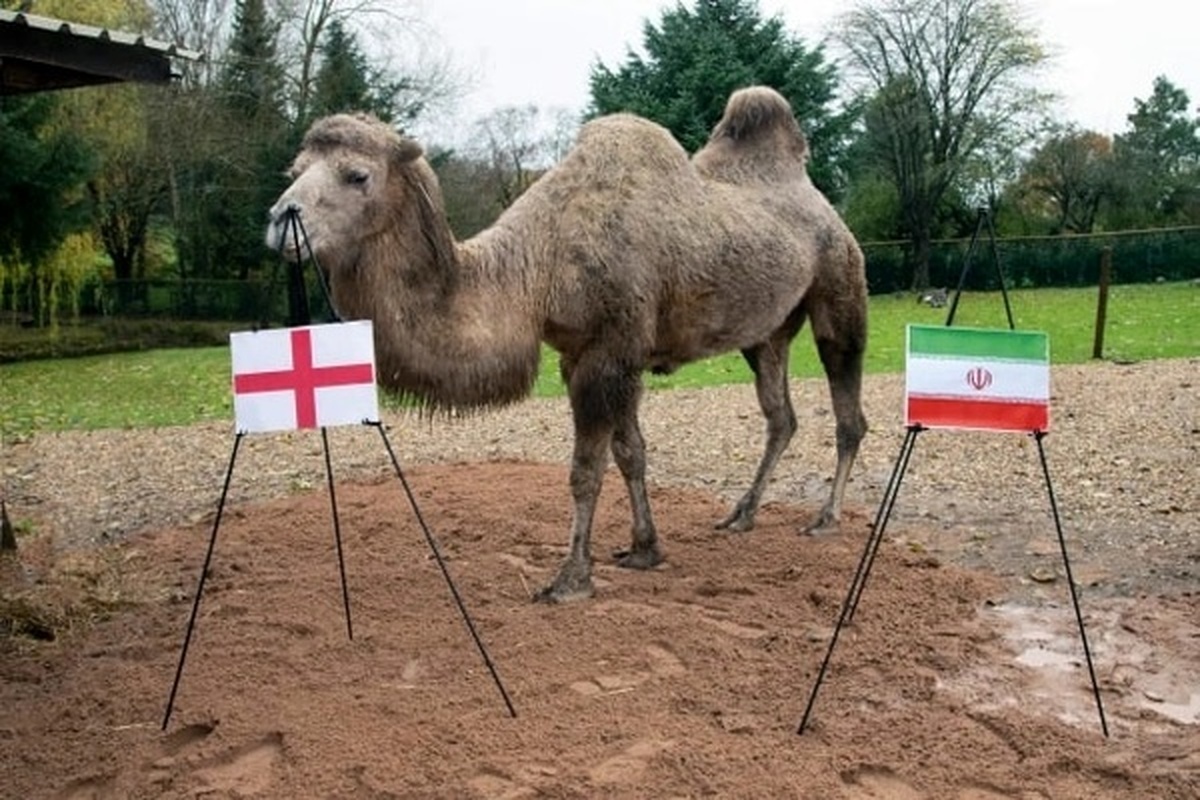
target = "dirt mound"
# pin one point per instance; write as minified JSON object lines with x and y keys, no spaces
{"x":687,"y":681}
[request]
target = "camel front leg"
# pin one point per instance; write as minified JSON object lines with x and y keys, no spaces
{"x":769,"y":361}
{"x":602,"y":392}
{"x":574,"y":578}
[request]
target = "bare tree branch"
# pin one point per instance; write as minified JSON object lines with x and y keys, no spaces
{"x":946,"y":76}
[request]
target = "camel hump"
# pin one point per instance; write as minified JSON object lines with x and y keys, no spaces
{"x":759,"y":114}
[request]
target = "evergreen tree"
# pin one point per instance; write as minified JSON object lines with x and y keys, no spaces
{"x":346,"y":81}
{"x":44,"y":171}
{"x":252,"y":80}
{"x":342,"y":82}
{"x":1159,"y":159}
{"x":230,"y":186}
{"x":695,"y":58}
{"x":236,"y":185}
{"x":41,"y":187}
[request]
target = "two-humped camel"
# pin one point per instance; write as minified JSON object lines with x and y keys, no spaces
{"x":625,"y":257}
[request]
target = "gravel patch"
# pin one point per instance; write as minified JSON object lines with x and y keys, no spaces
{"x":1122,"y":453}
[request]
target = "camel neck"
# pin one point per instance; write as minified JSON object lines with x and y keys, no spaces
{"x":457,"y":330}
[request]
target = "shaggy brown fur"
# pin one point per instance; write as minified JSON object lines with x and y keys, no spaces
{"x":627,"y":256}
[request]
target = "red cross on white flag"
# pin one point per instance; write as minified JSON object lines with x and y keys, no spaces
{"x":310,"y":377}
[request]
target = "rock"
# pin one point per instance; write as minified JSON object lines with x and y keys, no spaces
{"x":1043,"y":575}
{"x":817,"y":635}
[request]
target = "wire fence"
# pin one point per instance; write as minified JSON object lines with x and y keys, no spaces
{"x":253,"y":300}
{"x":1147,"y":256}
{"x":1033,"y":261}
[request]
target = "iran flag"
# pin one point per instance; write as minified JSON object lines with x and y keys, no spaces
{"x":315,"y":376}
{"x":977,"y":378}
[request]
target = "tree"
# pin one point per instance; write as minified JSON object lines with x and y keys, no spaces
{"x":251,"y":79}
{"x":1072,"y":171}
{"x":248,"y":174}
{"x":509,"y":149}
{"x":128,"y":183}
{"x":398,"y":93}
{"x":201,"y":25}
{"x":471,"y":205}
{"x":347,"y":81}
{"x":694,"y":59}
{"x":988,"y":175}
{"x":42,"y":199}
{"x":131,"y":185}
{"x":945,"y":75}
{"x":200,"y":140}
{"x":517,"y":144}
{"x":251,"y":93}
{"x":1159,"y":157}
{"x":871,"y":208}
{"x":342,"y":82}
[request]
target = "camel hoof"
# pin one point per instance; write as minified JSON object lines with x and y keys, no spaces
{"x":822,"y":525}
{"x":639,"y":559}
{"x":737,"y":522}
{"x":561,"y":592}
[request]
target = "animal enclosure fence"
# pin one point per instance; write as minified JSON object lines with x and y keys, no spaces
{"x":1031,"y":261}
{"x":1171,"y":254}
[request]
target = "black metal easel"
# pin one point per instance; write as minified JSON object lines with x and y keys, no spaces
{"x":866,"y":562}
{"x":296,"y":228}
{"x":984,"y":220}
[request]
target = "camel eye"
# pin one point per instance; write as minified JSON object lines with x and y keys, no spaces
{"x":356,"y":176}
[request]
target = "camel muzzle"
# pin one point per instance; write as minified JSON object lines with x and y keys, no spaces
{"x":286,"y":234}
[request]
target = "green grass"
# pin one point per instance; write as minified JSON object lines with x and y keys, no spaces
{"x":182,"y":386}
{"x":121,"y":390}
{"x":1145,"y":321}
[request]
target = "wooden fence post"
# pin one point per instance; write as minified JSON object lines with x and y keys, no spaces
{"x":1102,"y":301}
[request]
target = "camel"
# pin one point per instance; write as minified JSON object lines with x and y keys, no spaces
{"x":627,"y":256}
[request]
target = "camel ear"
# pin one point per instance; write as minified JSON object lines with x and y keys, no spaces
{"x":407,"y":150}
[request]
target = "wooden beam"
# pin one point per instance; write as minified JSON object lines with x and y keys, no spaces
{"x":41,"y":59}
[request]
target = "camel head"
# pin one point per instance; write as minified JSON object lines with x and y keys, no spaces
{"x":344,"y":181}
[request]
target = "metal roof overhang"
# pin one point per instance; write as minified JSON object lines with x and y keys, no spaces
{"x":40,"y":53}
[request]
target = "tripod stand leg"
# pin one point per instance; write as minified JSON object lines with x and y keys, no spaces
{"x":1012,"y":326}
{"x":859,"y":581}
{"x":1062,"y":543}
{"x":337,"y":533}
{"x":212,"y":541}
{"x":985,"y":218}
{"x":445,"y":571}
{"x":881,"y":519}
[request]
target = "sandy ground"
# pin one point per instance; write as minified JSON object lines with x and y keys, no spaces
{"x":962,"y":675}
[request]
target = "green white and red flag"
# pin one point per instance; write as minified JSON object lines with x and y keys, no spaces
{"x":977,"y":378}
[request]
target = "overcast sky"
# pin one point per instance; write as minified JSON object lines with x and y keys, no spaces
{"x":541,"y":52}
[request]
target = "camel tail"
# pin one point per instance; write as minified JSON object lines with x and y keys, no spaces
{"x":756,"y":113}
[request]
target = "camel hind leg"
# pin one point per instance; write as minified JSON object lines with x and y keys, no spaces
{"x":840,"y":331}
{"x":769,"y":362}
